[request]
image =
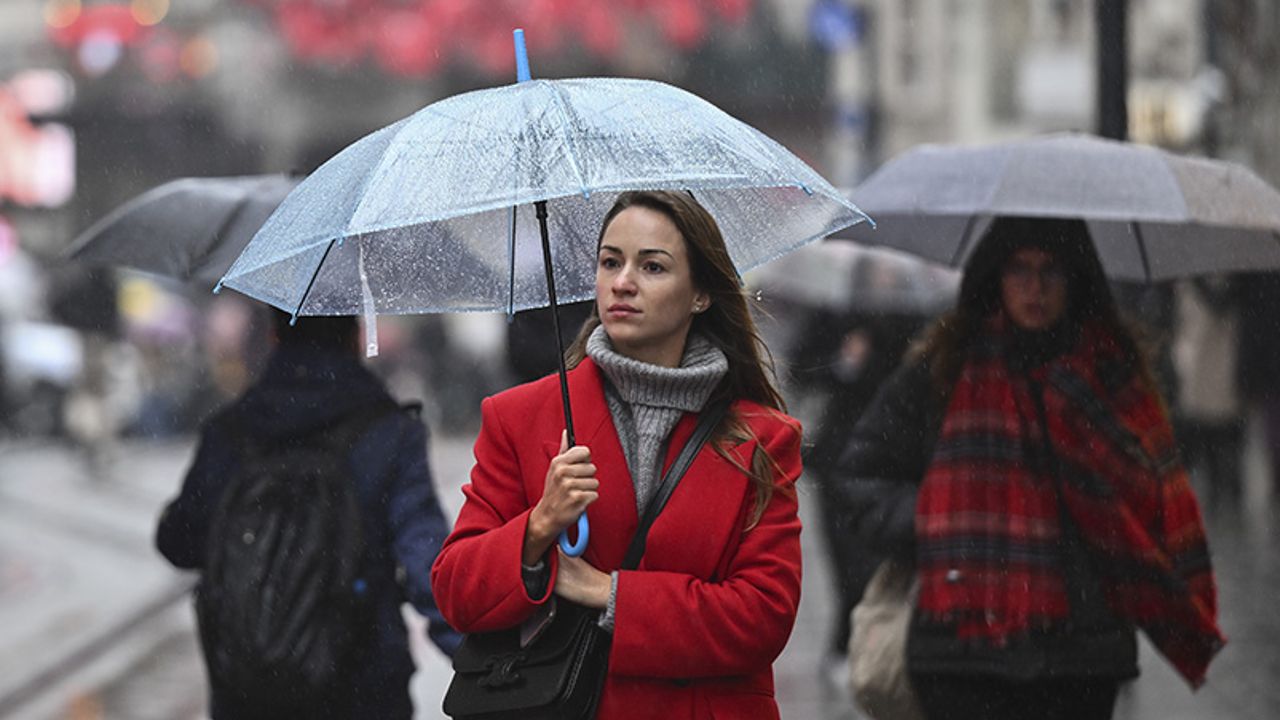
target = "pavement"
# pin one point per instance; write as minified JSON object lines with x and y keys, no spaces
{"x":94,"y":624}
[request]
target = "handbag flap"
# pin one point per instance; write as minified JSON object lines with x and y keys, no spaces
{"x":477,"y":653}
{"x":494,"y":673}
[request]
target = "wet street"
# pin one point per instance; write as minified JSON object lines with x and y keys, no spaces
{"x":93,"y":624}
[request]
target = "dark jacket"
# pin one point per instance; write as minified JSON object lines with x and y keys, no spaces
{"x":878,"y":477}
{"x":403,"y":526}
{"x":1258,"y":372}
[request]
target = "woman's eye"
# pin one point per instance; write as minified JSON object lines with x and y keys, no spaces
{"x":608,"y":263}
{"x":654,"y":267}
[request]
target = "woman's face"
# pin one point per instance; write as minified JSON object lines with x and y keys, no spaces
{"x":1033,"y":289}
{"x":644,"y":287}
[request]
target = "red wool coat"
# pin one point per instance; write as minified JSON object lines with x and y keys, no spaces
{"x":699,"y":624}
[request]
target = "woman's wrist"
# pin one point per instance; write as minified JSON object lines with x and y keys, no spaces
{"x":603,"y":591}
{"x":537,"y":538}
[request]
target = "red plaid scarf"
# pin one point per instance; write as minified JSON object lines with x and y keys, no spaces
{"x":987,"y":519}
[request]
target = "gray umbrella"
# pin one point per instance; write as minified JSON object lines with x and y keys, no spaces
{"x":1152,"y":215}
{"x":191,"y":229}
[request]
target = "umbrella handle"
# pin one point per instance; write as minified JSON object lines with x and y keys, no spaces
{"x":584,"y":532}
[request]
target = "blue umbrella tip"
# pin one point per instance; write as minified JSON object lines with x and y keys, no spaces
{"x":522,"y":56}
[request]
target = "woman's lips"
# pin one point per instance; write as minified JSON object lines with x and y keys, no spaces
{"x":620,"y":310}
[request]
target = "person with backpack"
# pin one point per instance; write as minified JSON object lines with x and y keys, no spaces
{"x":310,"y":512}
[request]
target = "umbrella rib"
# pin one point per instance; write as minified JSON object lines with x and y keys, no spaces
{"x":1142,"y":251}
{"x":965,"y":240}
{"x":511,"y":272}
{"x":312,"y":283}
{"x":556,"y":94}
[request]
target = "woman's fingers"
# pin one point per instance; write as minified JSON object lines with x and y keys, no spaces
{"x":580,"y":497}
{"x":580,"y":483}
{"x":574,"y":455}
{"x":578,"y":470}
{"x":571,"y":485}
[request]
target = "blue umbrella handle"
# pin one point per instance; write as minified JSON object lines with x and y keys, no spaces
{"x":584,"y":532}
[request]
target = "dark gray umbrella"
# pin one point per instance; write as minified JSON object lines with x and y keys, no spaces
{"x":191,"y":229}
{"x":1152,"y":215}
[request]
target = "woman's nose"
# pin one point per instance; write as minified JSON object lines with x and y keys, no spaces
{"x":623,"y":282}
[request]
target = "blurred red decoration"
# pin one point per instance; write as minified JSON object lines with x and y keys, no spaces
{"x":112,"y":19}
{"x":599,"y":29}
{"x":320,"y":31}
{"x":735,"y":11}
{"x":682,"y":22}
{"x":406,"y":42}
{"x":415,"y":37}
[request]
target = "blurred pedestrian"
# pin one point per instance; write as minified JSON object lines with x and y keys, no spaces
{"x":1209,"y":414}
{"x":1026,"y":463}
{"x":98,"y":406}
{"x":843,"y":358}
{"x":696,"y":628}
{"x":1259,"y":360}
{"x":530,"y":352}
{"x":315,"y":393}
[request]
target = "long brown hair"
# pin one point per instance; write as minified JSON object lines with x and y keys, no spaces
{"x":1089,"y":296}
{"x":727,"y":324}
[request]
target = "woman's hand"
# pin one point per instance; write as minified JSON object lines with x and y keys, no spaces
{"x":577,"y":581}
{"x":571,"y":486}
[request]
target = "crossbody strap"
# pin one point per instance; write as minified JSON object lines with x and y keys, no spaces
{"x":707,"y":423}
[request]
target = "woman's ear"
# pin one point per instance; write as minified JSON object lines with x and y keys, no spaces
{"x":701,"y":302}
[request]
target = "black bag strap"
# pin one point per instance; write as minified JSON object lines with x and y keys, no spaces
{"x":707,"y":423}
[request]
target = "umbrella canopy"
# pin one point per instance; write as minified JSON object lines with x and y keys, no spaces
{"x":421,"y":216}
{"x":416,"y":217}
{"x":190,"y":229}
{"x":1152,"y":215}
{"x":842,"y":277}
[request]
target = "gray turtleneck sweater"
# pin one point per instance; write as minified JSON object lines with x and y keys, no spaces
{"x":646,"y":401}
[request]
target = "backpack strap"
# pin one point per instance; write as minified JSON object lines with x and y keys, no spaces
{"x":707,"y":423}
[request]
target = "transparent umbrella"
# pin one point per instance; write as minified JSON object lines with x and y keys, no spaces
{"x":419,"y":216}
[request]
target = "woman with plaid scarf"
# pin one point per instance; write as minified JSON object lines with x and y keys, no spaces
{"x":1023,"y":458}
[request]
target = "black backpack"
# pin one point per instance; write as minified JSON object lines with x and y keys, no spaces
{"x":279,"y":605}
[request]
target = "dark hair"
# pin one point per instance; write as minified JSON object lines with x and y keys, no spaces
{"x":315,"y":331}
{"x":1089,"y":297}
{"x":727,"y":323}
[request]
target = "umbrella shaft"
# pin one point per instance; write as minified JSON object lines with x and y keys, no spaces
{"x":541,"y":207}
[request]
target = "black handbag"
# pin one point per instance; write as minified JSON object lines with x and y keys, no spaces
{"x":559,"y":672}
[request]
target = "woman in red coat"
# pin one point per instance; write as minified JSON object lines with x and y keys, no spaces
{"x":697,"y":626}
